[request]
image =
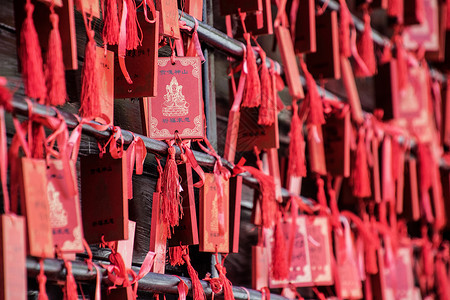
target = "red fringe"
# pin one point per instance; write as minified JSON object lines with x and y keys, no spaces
{"x":5,"y":95}
{"x":226,"y":284}
{"x":171,"y":199}
{"x":366,"y":49}
{"x":313,"y":101}
{"x":267,"y":109}
{"x":31,"y":57}
{"x":297,"y":166}
{"x":280,"y":266}
{"x":70,"y":288}
{"x":176,"y":256}
{"x":252,"y":93}
{"x":90,"y":106}
{"x":132,"y":33}
{"x":111,"y":25}
{"x":54,"y":66}
{"x":197,"y":289}
{"x":345,"y":19}
{"x":360,"y":174}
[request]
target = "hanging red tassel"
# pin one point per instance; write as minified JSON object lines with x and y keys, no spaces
{"x":365,"y":48}
{"x":267,"y":110}
{"x":360,"y":175}
{"x":70,"y":288}
{"x":110,"y":23}
{"x":176,"y":256}
{"x":90,"y":106}
{"x":132,"y":33}
{"x":297,"y":166}
{"x":5,"y":95}
{"x":171,"y":199}
{"x":42,"y":280}
{"x":252,"y":93}
{"x":313,"y":101}
{"x":345,"y":20}
{"x":226,"y":284}
{"x":37,"y":141}
{"x":280,"y":266}
{"x":54,"y":66}
{"x":321,"y":197}
{"x":426,"y":166}
{"x":197,"y":289}
{"x":31,"y":57}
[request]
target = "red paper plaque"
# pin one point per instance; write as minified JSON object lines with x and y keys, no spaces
{"x":104,"y":185}
{"x":257,"y":23}
{"x":427,"y":33}
{"x":324,"y":63}
{"x":300,"y":273}
{"x":214,"y":216}
{"x":235,"y":212}
{"x":179,"y":104}
{"x":65,"y":215}
{"x":187,"y":232}
{"x":125,"y":247}
{"x":252,"y":134}
{"x":168,"y":12}
{"x":337,"y":138}
{"x":158,"y":236}
{"x":260,"y":267}
{"x":228,"y":7}
{"x":305,"y":27}
{"x":400,"y":284}
{"x":141,"y":65}
{"x":106,"y":79}
{"x":34,"y":205}
{"x":319,"y":247}
{"x":66,"y":25}
{"x":13,"y":270}
{"x":411,"y":206}
{"x":289,"y":62}
{"x":317,"y":152}
{"x":378,"y":281}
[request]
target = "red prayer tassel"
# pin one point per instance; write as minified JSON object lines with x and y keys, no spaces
{"x":110,"y":23}
{"x":226,"y":284}
{"x":426,"y":174}
{"x":280,"y":267}
{"x":252,"y":93}
{"x":31,"y":57}
{"x":54,"y":66}
{"x":176,"y":256}
{"x":5,"y":95}
{"x":297,"y":166}
{"x":345,"y":19}
{"x":321,"y":197}
{"x":365,"y":48}
{"x":197,"y":289}
{"x":171,"y":199}
{"x":132,"y":33}
{"x":90,"y":106}
{"x":267,"y":110}
{"x":42,"y":280}
{"x":37,"y":145}
{"x":70,"y":288}
{"x":360,"y":175}
{"x":313,"y":100}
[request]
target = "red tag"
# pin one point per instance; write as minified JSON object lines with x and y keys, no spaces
{"x":125,"y":247}
{"x":65,"y":215}
{"x":289,"y":62}
{"x":34,"y":205}
{"x":316,"y":151}
{"x":324,"y":62}
{"x":104,"y":184}
{"x":65,"y":10}
{"x":300,"y":273}
{"x":13,"y":270}
{"x":400,"y":279}
{"x":235,"y":212}
{"x":305,"y":26}
{"x":168,"y":12}
{"x":427,"y":33}
{"x":105,"y":62}
{"x":179,"y":104}
{"x":274,"y":171}
{"x":252,"y":134}
{"x":319,"y":248}
{"x":352,"y":92}
{"x":257,"y":23}
{"x":228,"y":7}
{"x":90,"y":7}
{"x":194,"y":8}
{"x":411,"y":204}
{"x":337,"y":138}
{"x":158,"y":236}
{"x":260,"y":267}
{"x":187,"y":232}
{"x":141,"y":65}
{"x":214,"y":216}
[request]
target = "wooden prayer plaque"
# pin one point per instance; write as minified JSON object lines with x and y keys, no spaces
{"x":324,"y":62}
{"x":305,"y":27}
{"x":158,"y":236}
{"x":13,"y":269}
{"x":349,"y":279}
{"x":427,"y":33}
{"x":104,"y":185}
{"x":319,"y":248}
{"x":257,"y":23}
{"x":403,"y":277}
{"x":34,"y":205}
{"x":90,"y":7}
{"x":439,"y":54}
{"x":178,"y":106}
{"x":316,"y":152}
{"x":65,"y":214}
{"x":235,"y":212}
{"x":289,"y":62}
{"x":411,"y":202}
{"x":337,"y":138}
{"x":186,"y":233}
{"x":105,"y":65}
{"x":214,"y":216}
{"x":194,"y":8}
{"x":229,"y":7}
{"x":168,"y":13}
{"x":125,"y":247}
{"x":141,"y":65}
{"x":260,"y":267}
